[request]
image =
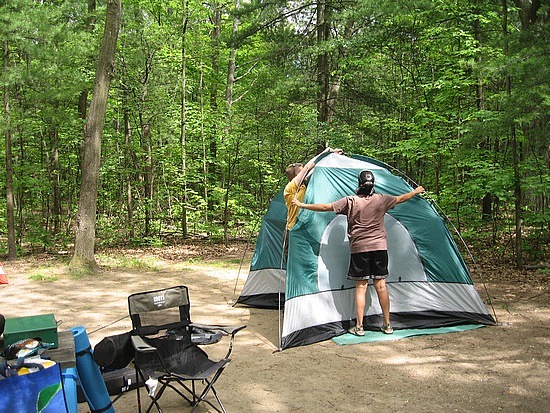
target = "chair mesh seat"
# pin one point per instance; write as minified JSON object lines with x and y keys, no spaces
{"x":180,"y":356}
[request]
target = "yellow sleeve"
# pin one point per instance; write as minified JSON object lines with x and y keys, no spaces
{"x":293,"y":191}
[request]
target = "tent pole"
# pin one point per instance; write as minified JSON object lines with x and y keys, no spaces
{"x":457,"y":232}
{"x":280,"y":327}
{"x":459,"y":235}
{"x":233,"y":298}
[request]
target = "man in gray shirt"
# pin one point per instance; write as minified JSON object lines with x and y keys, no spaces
{"x":367,"y":239}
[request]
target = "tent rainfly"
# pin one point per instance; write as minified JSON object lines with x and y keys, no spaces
{"x":429,"y":283}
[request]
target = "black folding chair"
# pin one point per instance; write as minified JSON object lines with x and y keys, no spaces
{"x":167,"y":348}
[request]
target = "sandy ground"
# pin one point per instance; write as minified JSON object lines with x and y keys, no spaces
{"x":503,"y":368}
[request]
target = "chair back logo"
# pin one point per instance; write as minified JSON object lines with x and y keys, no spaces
{"x":159,"y":300}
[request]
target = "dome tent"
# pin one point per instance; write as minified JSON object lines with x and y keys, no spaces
{"x":428,"y":282}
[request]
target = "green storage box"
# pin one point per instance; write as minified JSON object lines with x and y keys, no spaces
{"x":43,"y":327}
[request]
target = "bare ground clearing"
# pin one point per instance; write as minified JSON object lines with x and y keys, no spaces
{"x":494,"y":369}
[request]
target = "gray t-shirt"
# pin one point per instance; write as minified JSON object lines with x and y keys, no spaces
{"x":366,"y":229}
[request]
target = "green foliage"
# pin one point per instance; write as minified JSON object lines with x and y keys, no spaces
{"x":420,"y":85}
{"x":80,"y":272}
{"x":43,"y":274}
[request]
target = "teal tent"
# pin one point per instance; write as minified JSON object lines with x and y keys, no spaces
{"x":429,"y":283}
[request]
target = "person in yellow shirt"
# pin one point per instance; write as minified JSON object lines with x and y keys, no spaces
{"x":297,"y":175}
{"x":296,"y":187}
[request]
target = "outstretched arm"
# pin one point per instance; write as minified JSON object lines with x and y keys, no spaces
{"x":298,"y":179}
{"x":405,"y":197}
{"x":313,"y":207}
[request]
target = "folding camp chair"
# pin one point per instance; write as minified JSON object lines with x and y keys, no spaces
{"x":166,"y":344}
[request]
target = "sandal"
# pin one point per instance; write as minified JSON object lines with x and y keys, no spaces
{"x":386,"y":329}
{"x":357,"y":331}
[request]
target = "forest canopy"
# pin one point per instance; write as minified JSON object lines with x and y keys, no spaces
{"x":209,"y":102}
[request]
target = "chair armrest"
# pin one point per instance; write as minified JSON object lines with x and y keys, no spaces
{"x":141,"y":346}
{"x":227,"y":330}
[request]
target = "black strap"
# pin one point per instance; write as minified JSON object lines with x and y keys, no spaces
{"x":32,"y":365}
{"x":104,"y":409}
{"x":85,"y":351}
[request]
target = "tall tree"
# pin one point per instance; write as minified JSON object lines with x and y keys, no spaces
{"x":183,"y":116}
{"x":86,"y":219}
{"x":513,"y":139}
{"x":527,"y":10}
{"x":10,"y":207}
{"x":324,"y":13}
{"x":229,"y":101}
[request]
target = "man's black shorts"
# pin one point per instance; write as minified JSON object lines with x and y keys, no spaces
{"x":365,"y":265}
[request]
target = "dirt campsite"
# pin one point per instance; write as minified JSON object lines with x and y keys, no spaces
{"x":502,"y":368}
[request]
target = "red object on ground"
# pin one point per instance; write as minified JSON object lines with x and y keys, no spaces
{"x":3,"y":276}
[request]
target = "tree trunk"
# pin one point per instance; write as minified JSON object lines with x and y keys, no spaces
{"x":323,"y":70}
{"x":83,"y":257}
{"x":128,"y":167}
{"x":513,"y":138}
{"x":90,"y":23}
{"x":10,"y":205}
{"x":52,"y":211}
{"x":203,"y":140}
{"x":149,"y":177}
{"x":130,"y":162}
{"x":183,"y":120}
{"x":231,"y":68}
{"x":487,"y":204}
{"x":528,"y":11}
